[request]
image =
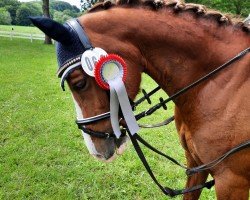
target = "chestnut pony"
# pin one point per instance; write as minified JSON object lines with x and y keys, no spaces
{"x":176,"y":45}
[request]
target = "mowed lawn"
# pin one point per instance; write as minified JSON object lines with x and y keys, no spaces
{"x":20,"y":29}
{"x":42,"y":153}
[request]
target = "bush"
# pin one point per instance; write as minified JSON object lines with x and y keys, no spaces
{"x":61,"y":6}
{"x":11,"y":6}
{"x":238,"y":7}
{"x":87,"y":4}
{"x":61,"y":17}
{"x":5,"y":17}
{"x":24,"y":12}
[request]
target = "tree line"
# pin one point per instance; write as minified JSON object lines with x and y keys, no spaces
{"x":236,"y":7}
{"x":17,"y":13}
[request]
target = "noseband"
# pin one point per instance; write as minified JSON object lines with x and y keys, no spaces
{"x":75,"y":63}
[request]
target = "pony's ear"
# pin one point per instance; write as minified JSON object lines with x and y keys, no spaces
{"x":53,"y":29}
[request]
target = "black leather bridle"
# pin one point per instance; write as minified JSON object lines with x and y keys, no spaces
{"x":74,"y":64}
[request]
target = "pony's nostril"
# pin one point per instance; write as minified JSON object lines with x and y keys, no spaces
{"x":105,"y":149}
{"x":99,"y":156}
{"x":104,"y":157}
{"x":107,"y":158}
{"x":109,"y":154}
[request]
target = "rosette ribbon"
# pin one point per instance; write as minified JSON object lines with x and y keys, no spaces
{"x":110,"y":74}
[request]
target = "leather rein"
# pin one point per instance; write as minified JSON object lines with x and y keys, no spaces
{"x":75,"y":63}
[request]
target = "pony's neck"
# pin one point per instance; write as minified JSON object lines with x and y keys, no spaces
{"x":177,"y":48}
{"x":181,"y":49}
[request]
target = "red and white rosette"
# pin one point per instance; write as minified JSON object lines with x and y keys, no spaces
{"x":110,"y":73}
{"x":108,"y":68}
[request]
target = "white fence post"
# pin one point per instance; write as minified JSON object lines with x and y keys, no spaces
{"x":31,"y":37}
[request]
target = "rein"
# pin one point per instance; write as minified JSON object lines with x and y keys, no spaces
{"x":74,"y":63}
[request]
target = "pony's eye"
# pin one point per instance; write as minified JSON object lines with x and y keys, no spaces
{"x":80,"y":85}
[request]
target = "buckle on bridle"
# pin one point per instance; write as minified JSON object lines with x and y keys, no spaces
{"x":107,"y":135}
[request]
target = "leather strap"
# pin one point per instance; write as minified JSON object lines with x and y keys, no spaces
{"x":75,"y":25}
{"x":146,"y":96}
{"x":166,"y":190}
{"x":215,"y":162}
{"x":99,"y":134}
{"x":164,"y":123}
{"x":96,"y":134}
{"x":90,"y":120}
{"x":146,"y":144}
{"x":192,"y":85}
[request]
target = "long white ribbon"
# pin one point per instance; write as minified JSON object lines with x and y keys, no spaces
{"x":118,"y":95}
{"x":114,"y":115}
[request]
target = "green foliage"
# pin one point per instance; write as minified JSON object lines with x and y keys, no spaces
{"x":8,"y":2}
{"x":62,"y":11}
{"x":61,"y":6}
{"x":239,"y":7}
{"x":11,"y":6}
{"x":5,"y":17}
{"x":20,"y":12}
{"x":25,"y":11}
{"x":71,"y":13}
{"x":87,"y":4}
{"x":61,"y":17}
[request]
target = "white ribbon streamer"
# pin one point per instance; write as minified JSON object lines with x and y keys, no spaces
{"x":114,"y":109}
{"x":118,"y":95}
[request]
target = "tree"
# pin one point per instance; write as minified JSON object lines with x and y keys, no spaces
{"x":239,"y":7}
{"x":46,"y":14}
{"x":5,"y":17}
{"x":24,"y":12}
{"x":77,"y":10}
{"x":87,"y":4}
{"x":61,"y":6}
{"x":61,"y":17}
{"x":64,"y":7}
{"x":71,"y":13}
{"x":11,"y":6}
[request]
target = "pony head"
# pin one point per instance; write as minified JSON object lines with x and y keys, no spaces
{"x":89,"y":98}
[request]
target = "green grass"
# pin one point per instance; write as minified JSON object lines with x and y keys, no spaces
{"x":42,"y":154}
{"x":20,"y":29}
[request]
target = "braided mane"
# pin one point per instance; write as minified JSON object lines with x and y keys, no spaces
{"x":177,"y":6}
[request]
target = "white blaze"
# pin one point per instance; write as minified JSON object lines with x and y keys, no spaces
{"x":89,"y":143}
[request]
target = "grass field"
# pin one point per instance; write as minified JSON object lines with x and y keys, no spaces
{"x":20,"y":29}
{"x":42,"y":154}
